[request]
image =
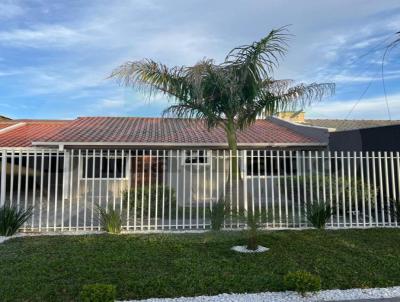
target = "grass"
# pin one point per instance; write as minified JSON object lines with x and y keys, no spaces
{"x":142,"y":266}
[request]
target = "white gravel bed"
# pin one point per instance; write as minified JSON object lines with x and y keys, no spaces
{"x":243,"y":249}
{"x":326,"y":295}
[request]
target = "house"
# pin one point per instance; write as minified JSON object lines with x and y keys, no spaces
{"x":93,"y":160}
{"x":354,"y":135}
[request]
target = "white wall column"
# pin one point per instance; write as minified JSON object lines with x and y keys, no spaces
{"x":3,"y":177}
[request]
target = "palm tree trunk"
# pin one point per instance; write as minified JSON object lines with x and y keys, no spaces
{"x":234,"y":193}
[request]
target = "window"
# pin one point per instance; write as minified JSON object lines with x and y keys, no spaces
{"x":104,"y":168}
{"x":194,"y":157}
{"x":261,"y":163}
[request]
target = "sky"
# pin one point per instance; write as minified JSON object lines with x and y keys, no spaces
{"x":56,"y":56}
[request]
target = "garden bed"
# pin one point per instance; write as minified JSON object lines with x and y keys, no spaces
{"x":54,"y":268}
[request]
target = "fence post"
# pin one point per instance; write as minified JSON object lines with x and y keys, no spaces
{"x":3,"y":177}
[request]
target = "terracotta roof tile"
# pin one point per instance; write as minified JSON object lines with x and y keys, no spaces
{"x":167,"y":130}
{"x":30,"y":131}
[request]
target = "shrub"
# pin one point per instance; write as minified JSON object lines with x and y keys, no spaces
{"x":162,"y":193}
{"x":110,"y":220}
{"x":98,"y":293}
{"x":318,"y":214}
{"x":11,"y":219}
{"x":217,"y":214}
{"x":396,"y":210}
{"x":302,"y":282}
{"x":342,"y":184}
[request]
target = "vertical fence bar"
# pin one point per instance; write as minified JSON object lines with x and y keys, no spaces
{"x":78,"y":187}
{"x":71,"y":182}
{"x":184,"y":154}
{"x":362,"y":186}
{"x":198,"y":185}
{"x":343,"y":189}
{"x":142,"y":199}
{"x":100,"y":187}
{"x":298,"y":166}
{"x":355,"y":187}
{"x":149,"y":208}
{"x":266,"y":185}
{"x":393,"y":183}
{"x":237,"y":187}
{"x":259,"y":181}
{"x":121,"y":182}
{"x":19,"y":179}
{"x":252,"y":181}
{"x":170,"y":157}
{"x":323,"y":176}
{"x":205,"y":161}
{"x":114,"y":178}
{"x":369,"y":189}
{"x":34,"y":189}
{"x":304,"y":185}
{"x":285,"y":189}
{"x":128,"y":203}
{"x":27,"y":189}
{"x":310,"y":166}
{"x":279,"y":188}
{"x":86,"y":186}
{"x":157,"y":187}
{"x":93,"y":186}
{"x":375,"y":195}
{"x":177,"y":189}
{"x":381,"y":186}
{"x":389,"y":219}
{"x":191,"y":189}
{"x":136,"y":192}
{"x":12,"y":154}
{"x":48,"y":189}
{"x":55,"y":189}
{"x":337,"y":190}
{"x":272,"y":188}
{"x":3,"y":177}
{"x":330,"y":184}
{"x":317,"y":173}
{"x":292,"y":188}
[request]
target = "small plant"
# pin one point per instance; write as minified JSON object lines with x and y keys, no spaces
{"x":11,"y":219}
{"x":302,"y":282}
{"x":162,"y":196}
{"x":217,"y":214}
{"x":254,"y":220}
{"x":110,"y":220}
{"x":318,"y":214}
{"x":98,"y":293}
{"x":396,"y":210}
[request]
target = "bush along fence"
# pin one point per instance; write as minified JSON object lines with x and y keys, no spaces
{"x":155,"y":190}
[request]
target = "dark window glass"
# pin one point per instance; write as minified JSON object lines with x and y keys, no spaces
{"x":260,"y":163}
{"x":114,"y":168}
{"x":194,"y":157}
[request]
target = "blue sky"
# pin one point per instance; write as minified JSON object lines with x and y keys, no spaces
{"x":55,"y":56}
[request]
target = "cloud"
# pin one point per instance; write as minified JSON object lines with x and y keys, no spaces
{"x":111,"y":104}
{"x":42,"y":36}
{"x":369,"y":108}
{"x":9,"y":10}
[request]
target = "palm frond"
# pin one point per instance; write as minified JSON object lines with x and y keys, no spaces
{"x":153,"y":77}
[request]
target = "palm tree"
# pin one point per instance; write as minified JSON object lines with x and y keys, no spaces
{"x":231,"y":94}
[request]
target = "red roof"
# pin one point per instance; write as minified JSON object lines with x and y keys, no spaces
{"x":166,"y":131}
{"x":25,"y":132}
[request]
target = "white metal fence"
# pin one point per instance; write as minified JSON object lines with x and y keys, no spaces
{"x":174,"y":189}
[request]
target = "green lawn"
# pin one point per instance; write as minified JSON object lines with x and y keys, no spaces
{"x":141,"y":266}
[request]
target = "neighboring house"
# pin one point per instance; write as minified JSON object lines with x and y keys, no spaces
{"x":354,"y":135}
{"x":4,"y":118}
